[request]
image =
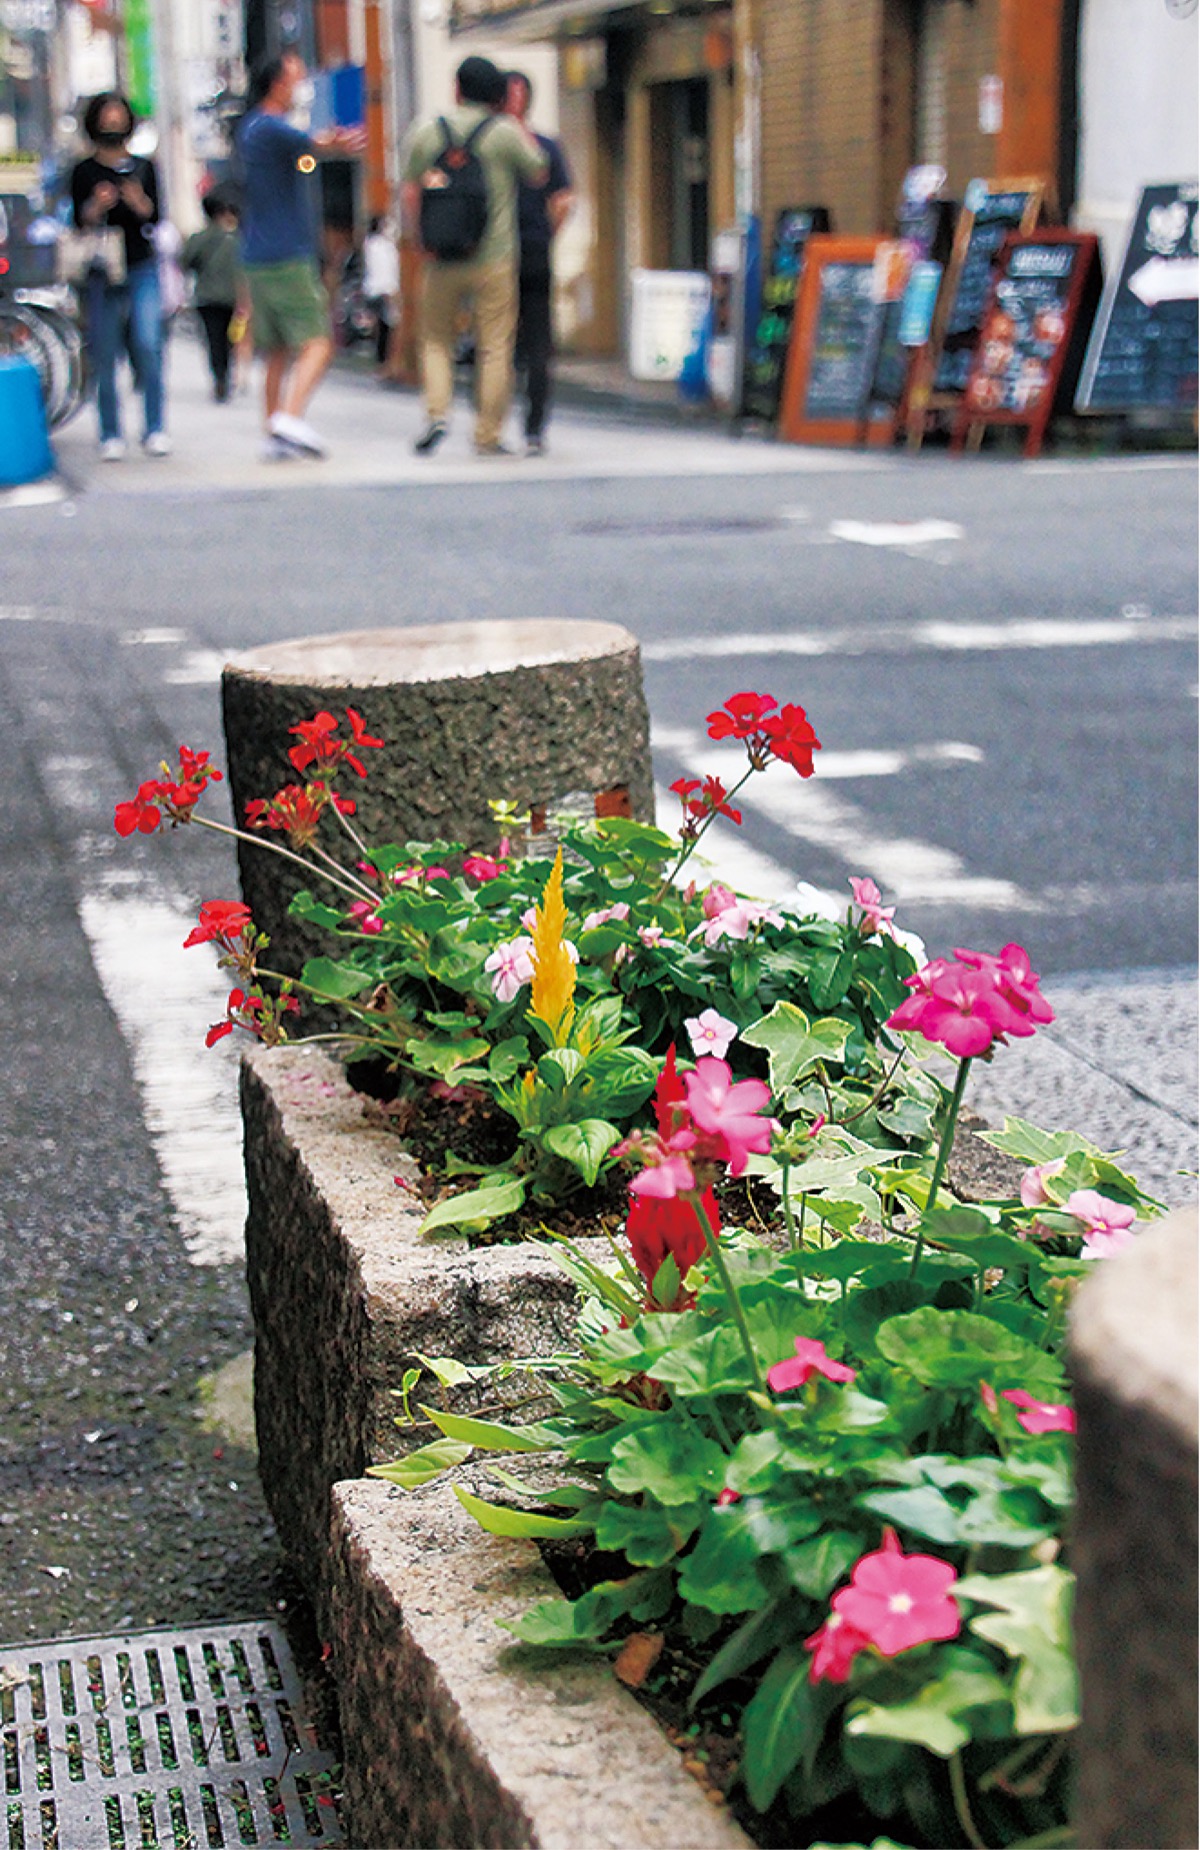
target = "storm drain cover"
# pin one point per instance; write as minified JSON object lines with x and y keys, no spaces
{"x":170,"y":1740}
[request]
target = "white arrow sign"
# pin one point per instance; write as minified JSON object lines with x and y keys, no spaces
{"x":1166,"y":279}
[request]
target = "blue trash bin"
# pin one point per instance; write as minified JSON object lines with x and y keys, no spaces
{"x":25,"y":453}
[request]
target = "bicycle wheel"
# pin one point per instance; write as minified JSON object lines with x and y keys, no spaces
{"x":69,"y":338}
{"x":22,"y":337}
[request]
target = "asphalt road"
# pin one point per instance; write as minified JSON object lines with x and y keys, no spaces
{"x":1006,"y":700}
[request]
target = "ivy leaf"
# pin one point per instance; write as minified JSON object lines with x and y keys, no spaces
{"x":674,"y":1463}
{"x":1029,"y":1144}
{"x":477,"y":1206}
{"x":1033,"y":1625}
{"x":647,"y":1535}
{"x":489,"y":1435}
{"x":933,"y":1717}
{"x":422,"y":1466}
{"x":793,"y":1044}
{"x":335,"y":980}
{"x":777,"y":1725}
{"x":499,"y":1519}
{"x":584,"y":1145}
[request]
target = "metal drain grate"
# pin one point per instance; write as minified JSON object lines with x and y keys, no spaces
{"x":172,"y":1740}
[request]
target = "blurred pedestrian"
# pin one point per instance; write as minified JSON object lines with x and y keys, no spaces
{"x":381,"y":283}
{"x":214,"y":257}
{"x":541,"y":212}
{"x":460,"y":174}
{"x":118,"y":190}
{"x":290,"y":309}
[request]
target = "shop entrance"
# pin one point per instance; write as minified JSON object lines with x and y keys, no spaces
{"x":679,"y":141}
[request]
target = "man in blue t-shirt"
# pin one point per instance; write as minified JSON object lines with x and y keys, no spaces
{"x":290,"y":309}
{"x":541,"y":211}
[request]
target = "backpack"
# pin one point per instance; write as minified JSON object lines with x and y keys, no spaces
{"x":454,"y":198}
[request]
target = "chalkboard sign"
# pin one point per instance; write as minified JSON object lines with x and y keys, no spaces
{"x":1033,"y":332}
{"x":835,"y":340}
{"x":766,"y":354}
{"x":989,"y":216}
{"x":1143,"y":347}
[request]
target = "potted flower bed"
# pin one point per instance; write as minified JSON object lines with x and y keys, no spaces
{"x":812,"y":1464}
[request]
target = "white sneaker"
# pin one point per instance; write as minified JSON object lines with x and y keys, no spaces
{"x":275,"y":450}
{"x":112,"y":449}
{"x":157,"y":443}
{"x":298,"y":432}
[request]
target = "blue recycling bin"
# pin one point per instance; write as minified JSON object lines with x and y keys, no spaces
{"x":25,"y":453}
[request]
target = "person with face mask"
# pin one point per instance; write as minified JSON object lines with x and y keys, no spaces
{"x":115,"y":189}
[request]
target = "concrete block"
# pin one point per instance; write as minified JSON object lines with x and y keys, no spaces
{"x":1133,"y":1355}
{"x":344,"y":1294}
{"x":532,"y":712}
{"x":455,"y":1738}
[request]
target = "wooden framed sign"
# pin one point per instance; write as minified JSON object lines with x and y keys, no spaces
{"x":834,"y":345}
{"x":992,"y":211}
{"x":767,"y":349}
{"x":1034,"y":330}
{"x":1142,"y":352}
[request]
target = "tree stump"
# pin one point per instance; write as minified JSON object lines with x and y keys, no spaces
{"x":1133,"y":1358}
{"x":545,"y":715}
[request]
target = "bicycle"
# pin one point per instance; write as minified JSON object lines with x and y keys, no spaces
{"x":41,"y":325}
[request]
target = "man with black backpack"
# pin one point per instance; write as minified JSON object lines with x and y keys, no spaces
{"x":460,"y":187}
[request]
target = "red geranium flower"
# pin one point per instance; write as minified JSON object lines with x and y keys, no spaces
{"x":296,"y":810}
{"x":791,"y":738}
{"x":221,"y":920}
{"x":322,"y":746}
{"x":141,"y":813}
{"x":741,"y":716}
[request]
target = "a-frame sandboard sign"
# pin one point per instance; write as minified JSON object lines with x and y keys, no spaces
{"x":992,"y":210}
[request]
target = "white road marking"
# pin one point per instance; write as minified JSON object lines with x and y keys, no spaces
{"x":903,"y":533}
{"x":134,"y":637}
{"x":32,"y":494}
{"x":905,"y":638}
{"x":839,"y":766}
{"x":199,"y":668}
{"x":164,"y":999}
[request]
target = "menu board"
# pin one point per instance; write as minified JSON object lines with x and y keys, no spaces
{"x":1143,"y":347}
{"x":1031,"y":339}
{"x":766,"y":353}
{"x":991,"y":211}
{"x":835,"y":343}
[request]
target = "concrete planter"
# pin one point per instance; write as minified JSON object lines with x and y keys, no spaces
{"x":455,"y":1737}
{"x":344,"y":1293}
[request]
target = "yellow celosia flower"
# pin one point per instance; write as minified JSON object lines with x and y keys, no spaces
{"x":553,"y":985}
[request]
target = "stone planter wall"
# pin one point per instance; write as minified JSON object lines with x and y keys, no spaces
{"x":455,"y":1737}
{"x":344,"y":1293}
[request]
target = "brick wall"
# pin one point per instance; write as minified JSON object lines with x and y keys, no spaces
{"x":972,"y":52}
{"x":821,"y":133}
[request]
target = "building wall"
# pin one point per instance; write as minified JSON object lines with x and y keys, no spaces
{"x":821,"y":140}
{"x":1138,"y":108}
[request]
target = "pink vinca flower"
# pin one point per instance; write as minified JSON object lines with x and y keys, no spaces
{"x":650,"y":935}
{"x":897,"y":1601}
{"x":1108,"y":1225}
{"x":717,"y":899}
{"x":1038,"y":1416}
{"x":667,"y":1174}
{"x":876,"y":917}
{"x":738,"y":919}
{"x":510,"y":967}
{"x":710,"y":1033}
{"x":810,"y":1359}
{"x":606,"y":915}
{"x":834,"y":1647}
{"x":1033,"y":1183}
{"x":728,"y":1116}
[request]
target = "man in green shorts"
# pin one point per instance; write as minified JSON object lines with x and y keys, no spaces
{"x":290,"y":318}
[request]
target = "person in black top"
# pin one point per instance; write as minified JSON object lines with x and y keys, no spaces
{"x":115,"y":188}
{"x":541,"y":211}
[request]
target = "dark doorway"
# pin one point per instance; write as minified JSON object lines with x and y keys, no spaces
{"x":679,"y":175}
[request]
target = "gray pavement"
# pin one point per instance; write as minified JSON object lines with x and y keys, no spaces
{"x":999,"y":658}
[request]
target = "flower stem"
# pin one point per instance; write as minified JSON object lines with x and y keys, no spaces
{"x":943,"y":1155}
{"x":348,"y":883}
{"x":730,"y":1289}
{"x":789,"y":1219}
{"x":689,"y":848}
{"x":962,"y":1806}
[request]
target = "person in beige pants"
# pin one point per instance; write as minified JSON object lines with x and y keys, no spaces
{"x":488,"y":280}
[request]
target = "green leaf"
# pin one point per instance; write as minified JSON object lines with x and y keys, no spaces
{"x":829,"y":977}
{"x":665,"y":1288}
{"x":777,"y":1725}
{"x":647,"y":1535}
{"x":338,"y":981}
{"x":933,"y":1717}
{"x":304,"y":906}
{"x":816,"y":1566}
{"x":958,"y":1349}
{"x":793,"y":1044}
{"x":507,"y":1058}
{"x":444,"y":1057}
{"x":489,"y":1435}
{"x":673,"y":1462}
{"x":1029,"y":1144}
{"x":476,"y":1207}
{"x":1034,"y":1626}
{"x":422,"y":1466}
{"x":498,"y":1519}
{"x":584,"y":1145}
{"x":753,"y":1640}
